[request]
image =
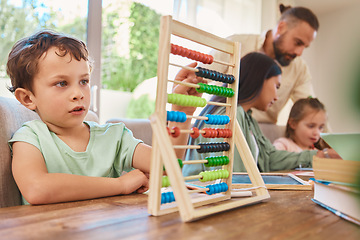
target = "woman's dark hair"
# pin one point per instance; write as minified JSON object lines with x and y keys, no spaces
{"x":255,"y":68}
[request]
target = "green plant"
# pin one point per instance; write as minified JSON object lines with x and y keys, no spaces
{"x":142,"y":107}
{"x":127,"y":71}
{"x":17,"y":22}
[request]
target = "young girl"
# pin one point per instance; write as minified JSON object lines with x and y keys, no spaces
{"x":307,"y":119}
{"x":259,"y":81}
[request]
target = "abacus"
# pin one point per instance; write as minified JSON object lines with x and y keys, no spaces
{"x":194,"y":204}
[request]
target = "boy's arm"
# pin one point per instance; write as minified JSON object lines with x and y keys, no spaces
{"x":141,"y":157}
{"x":38,"y":186}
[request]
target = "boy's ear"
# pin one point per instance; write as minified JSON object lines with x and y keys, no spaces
{"x":25,"y":97}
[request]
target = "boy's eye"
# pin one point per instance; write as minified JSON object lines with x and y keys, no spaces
{"x":84,"y":82}
{"x":61,"y":84}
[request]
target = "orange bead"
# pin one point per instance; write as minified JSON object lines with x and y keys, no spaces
{"x":195,"y":132}
{"x":175,"y":132}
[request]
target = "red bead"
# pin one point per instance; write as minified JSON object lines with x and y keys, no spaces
{"x":205,"y":133}
{"x":220,"y":132}
{"x":191,"y":54}
{"x":211,"y":59}
{"x":183,"y":52}
{"x":173,"y":48}
{"x":197,"y":56}
{"x":195,"y":132}
{"x":229,"y":133}
{"x":175,"y":132}
{"x":201,"y":57}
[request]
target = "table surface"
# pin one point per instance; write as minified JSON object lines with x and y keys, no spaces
{"x":286,"y":215}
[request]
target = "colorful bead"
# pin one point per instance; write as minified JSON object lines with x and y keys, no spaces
{"x":213,"y":147}
{"x":167,"y":197}
{"x":217,"y":161}
{"x":213,"y":75}
{"x":195,"y":132}
{"x":213,"y":175}
{"x":185,"y":100}
{"x":176,"y":116}
{"x":217,"y":119}
{"x":215,"y":90}
{"x":180,"y":162}
{"x":176,"y":132}
{"x":191,"y":54}
{"x":165,"y":181}
{"x":217,"y":188}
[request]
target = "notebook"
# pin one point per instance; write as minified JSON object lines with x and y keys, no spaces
{"x":347,"y":145}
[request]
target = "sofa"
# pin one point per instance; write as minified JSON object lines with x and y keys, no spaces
{"x":13,"y":115}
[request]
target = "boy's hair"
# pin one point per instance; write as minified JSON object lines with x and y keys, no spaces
{"x":23,"y":60}
{"x":292,"y":15}
{"x":300,"y":109}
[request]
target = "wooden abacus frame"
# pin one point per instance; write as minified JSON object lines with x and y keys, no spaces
{"x":163,"y":152}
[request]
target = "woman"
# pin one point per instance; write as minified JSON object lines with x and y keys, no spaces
{"x":260,"y":78}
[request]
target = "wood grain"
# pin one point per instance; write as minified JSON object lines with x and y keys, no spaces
{"x":286,"y":215}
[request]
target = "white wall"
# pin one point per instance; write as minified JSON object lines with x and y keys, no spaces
{"x":333,"y":59}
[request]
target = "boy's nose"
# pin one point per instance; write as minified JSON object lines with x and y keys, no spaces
{"x":78,"y":94}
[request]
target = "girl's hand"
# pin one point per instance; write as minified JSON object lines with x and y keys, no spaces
{"x":328,"y":153}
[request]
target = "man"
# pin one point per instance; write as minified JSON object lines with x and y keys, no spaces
{"x":295,"y":31}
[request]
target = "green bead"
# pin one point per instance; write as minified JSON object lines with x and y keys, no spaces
{"x":180,"y":162}
{"x":165,"y":181}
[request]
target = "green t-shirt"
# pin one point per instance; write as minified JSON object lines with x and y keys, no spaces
{"x":267,"y":157}
{"x":108,"y":153}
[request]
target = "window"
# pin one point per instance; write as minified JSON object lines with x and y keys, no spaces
{"x":122,"y":37}
{"x":21,"y":18}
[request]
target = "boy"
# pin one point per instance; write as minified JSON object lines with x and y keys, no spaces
{"x":61,"y":158}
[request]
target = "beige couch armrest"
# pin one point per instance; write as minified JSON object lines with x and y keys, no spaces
{"x":12,"y":116}
{"x":140,"y":128}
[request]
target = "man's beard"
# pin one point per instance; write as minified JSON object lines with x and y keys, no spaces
{"x":281,"y":56}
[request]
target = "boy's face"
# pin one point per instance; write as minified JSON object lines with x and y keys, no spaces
{"x":61,"y":89}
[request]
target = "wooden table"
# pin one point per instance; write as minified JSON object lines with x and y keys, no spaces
{"x":286,"y":215}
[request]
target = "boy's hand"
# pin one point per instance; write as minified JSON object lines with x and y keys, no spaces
{"x":135,"y":180}
{"x":187,"y":76}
